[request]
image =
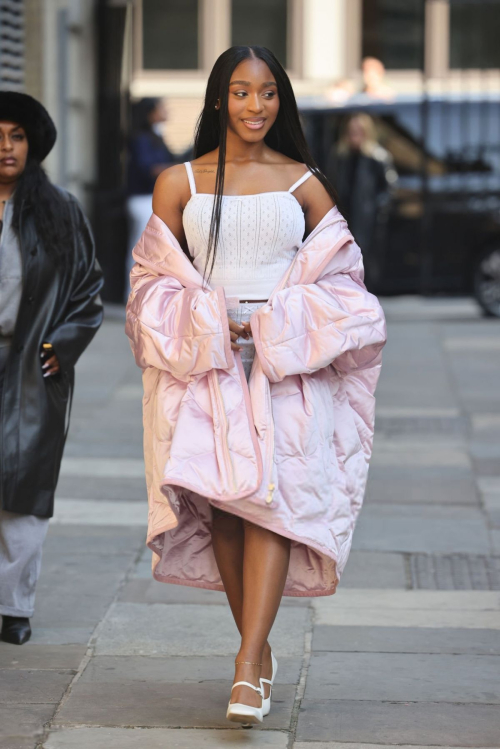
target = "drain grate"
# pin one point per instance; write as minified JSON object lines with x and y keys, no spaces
{"x":454,"y":572}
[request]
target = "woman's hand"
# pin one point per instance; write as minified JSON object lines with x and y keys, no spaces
{"x":51,"y":365}
{"x":238,"y":331}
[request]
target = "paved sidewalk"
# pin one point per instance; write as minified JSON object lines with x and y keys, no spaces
{"x":407,"y":652}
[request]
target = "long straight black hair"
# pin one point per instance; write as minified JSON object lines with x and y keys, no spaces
{"x":49,"y":209}
{"x":285,"y":136}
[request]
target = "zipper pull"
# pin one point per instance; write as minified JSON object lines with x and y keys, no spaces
{"x":269,"y":497}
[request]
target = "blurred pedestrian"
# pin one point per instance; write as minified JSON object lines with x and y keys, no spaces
{"x":364,"y":174}
{"x":374,"y":79}
{"x":340,"y":91}
{"x":49,"y":313}
{"x":261,"y":352}
{"x":148,"y":157}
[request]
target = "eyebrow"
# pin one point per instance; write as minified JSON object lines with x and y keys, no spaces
{"x":247,"y":83}
{"x":16,"y":127}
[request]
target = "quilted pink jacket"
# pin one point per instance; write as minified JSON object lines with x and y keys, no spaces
{"x":290,"y":450}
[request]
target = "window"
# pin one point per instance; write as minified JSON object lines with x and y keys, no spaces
{"x":170,"y":34}
{"x":474,"y":34}
{"x":262,"y":22}
{"x":393,"y":32}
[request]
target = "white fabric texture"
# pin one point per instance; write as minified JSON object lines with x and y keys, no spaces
{"x":259,"y":237}
{"x":241,"y":313}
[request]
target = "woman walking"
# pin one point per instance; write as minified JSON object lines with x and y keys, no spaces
{"x":49,"y":313}
{"x":261,"y":352}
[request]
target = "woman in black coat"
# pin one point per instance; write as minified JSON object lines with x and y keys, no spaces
{"x":49,"y":312}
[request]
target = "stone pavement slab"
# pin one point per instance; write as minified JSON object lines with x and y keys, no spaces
{"x":93,"y":541}
{"x":428,"y":723}
{"x":186,"y":704}
{"x":155,"y":738}
{"x":424,"y":453}
{"x":414,"y":371}
{"x":412,"y":485}
{"x":102,"y":487}
{"x":109,"y":467}
{"x":24,"y":720}
{"x":164,"y":670}
{"x":28,"y":686}
{"x":421,"y":528}
{"x":405,"y":640}
{"x":16,"y":742}
{"x":410,"y":608}
{"x":33,"y":656}
{"x":159,"y":629}
{"x":409,"y":677}
{"x":68,"y":610}
{"x":384,"y":570}
{"x":101,"y":512}
{"x":342,"y":745}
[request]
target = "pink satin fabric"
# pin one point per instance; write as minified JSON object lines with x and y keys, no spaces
{"x":290,"y":449}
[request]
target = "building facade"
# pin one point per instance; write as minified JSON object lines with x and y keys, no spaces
{"x":174,"y":44}
{"x":50,"y":48}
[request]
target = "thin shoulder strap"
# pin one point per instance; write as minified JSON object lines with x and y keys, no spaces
{"x":192,"y":183}
{"x":300,"y":181}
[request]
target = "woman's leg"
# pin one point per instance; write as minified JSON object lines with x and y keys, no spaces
{"x":265,"y":567}
{"x":228,"y":542}
{"x":229,"y":535}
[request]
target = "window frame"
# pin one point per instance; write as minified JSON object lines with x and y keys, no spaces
{"x":214,"y":36}
{"x":151,"y":73}
{"x":437,"y":23}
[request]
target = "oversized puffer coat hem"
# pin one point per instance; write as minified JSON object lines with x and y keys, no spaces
{"x":292,"y":592}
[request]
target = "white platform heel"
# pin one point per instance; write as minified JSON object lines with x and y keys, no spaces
{"x":247,"y":715}
{"x":266,"y":701}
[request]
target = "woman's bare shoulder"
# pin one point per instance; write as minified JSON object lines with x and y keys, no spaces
{"x":172,"y":177}
{"x":292,"y":168}
{"x":171,"y":191}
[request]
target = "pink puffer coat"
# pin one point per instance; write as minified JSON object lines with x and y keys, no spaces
{"x":290,"y":450}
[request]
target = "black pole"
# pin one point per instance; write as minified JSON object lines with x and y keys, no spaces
{"x":109,"y":199}
{"x":426,"y":247}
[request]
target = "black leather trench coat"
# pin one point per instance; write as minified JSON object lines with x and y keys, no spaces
{"x":60,"y":306}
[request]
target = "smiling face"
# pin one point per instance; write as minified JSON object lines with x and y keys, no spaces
{"x":13,"y":151}
{"x":253,"y":101}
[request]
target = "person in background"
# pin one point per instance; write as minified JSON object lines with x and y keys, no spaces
{"x":49,"y":312}
{"x":148,"y":157}
{"x":374,"y":83}
{"x":363,"y":173}
{"x":340,"y":91}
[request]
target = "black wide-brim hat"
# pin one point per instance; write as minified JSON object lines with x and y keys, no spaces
{"x":37,"y":122}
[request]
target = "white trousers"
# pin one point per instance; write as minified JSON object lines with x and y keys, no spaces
{"x":139,"y":209}
{"x":21,"y":540}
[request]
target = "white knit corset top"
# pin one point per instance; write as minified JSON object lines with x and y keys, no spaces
{"x":259,"y":236}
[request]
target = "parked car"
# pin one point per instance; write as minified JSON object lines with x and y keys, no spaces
{"x":440,"y":232}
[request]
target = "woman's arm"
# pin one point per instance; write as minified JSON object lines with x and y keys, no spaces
{"x":315,"y":202}
{"x":170,"y":196}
